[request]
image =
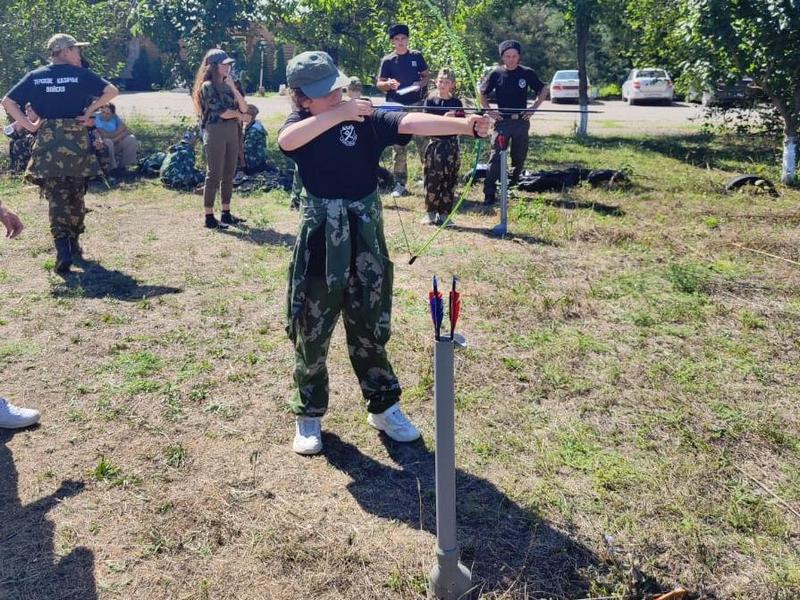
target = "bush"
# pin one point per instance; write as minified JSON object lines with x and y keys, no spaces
{"x":610,"y":90}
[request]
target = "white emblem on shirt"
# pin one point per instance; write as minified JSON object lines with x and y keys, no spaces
{"x":413,"y":63}
{"x":522,"y":83}
{"x":348,"y":135}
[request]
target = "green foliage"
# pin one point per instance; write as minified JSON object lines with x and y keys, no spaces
{"x":710,"y":40}
{"x":26,"y":25}
{"x":610,"y":90}
{"x":185,"y":29}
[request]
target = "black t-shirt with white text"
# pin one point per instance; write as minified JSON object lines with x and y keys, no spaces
{"x":512,"y":86}
{"x":343,"y":161}
{"x":406,"y":69}
{"x":59,"y":91}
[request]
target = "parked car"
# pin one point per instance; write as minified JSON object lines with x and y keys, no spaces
{"x":648,"y":84}
{"x":564,"y":86}
{"x":742,"y":92}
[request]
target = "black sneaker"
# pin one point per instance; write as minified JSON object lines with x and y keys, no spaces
{"x":229,"y":219}
{"x":212,"y":223}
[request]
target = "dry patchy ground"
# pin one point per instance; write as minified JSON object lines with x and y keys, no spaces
{"x":627,"y":409}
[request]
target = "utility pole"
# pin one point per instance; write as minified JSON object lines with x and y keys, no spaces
{"x":261,"y":44}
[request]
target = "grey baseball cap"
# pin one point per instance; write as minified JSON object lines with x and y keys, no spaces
{"x":62,"y":41}
{"x":218,"y":57}
{"x":315,"y":74}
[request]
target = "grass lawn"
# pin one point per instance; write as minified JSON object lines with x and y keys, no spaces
{"x":627,"y":407}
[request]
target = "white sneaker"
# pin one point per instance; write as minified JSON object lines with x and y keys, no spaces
{"x":14,"y":417}
{"x":308,"y":435}
{"x":429,"y":219}
{"x":399,"y":190}
{"x":395,"y":424}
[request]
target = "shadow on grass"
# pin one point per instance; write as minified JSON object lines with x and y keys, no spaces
{"x":96,"y":281}
{"x":29,"y":567}
{"x":510,"y":235}
{"x":507,"y":546}
{"x":260,"y":237}
{"x":736,"y":153}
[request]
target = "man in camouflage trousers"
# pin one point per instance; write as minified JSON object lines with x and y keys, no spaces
{"x":62,"y":158}
{"x":178,"y":170}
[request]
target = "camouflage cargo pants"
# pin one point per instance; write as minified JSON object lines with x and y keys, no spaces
{"x":400,"y":165}
{"x":341,"y":267}
{"x":66,"y":207}
{"x":442,"y":161}
{"x":379,"y":385}
{"x":20,"y":153}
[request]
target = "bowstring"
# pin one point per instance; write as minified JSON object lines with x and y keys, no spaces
{"x":455,"y":41}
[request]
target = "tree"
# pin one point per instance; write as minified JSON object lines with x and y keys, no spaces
{"x":583,"y":19}
{"x":580,"y":13}
{"x":756,"y":38}
{"x":199,"y":24}
{"x":26,"y":25}
{"x":279,"y":74}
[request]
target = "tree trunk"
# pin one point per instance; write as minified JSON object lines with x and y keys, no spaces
{"x":789,"y":170}
{"x":582,"y":18}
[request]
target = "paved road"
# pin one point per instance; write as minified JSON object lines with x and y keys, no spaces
{"x":617,"y":117}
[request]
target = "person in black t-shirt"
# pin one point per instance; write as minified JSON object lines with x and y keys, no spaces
{"x":340,"y":262}
{"x":510,"y":81}
{"x":403,"y":77}
{"x":442,"y":157}
{"x":65,"y":95}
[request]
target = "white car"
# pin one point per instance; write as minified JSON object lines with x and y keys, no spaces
{"x":565,"y":86}
{"x":648,"y":84}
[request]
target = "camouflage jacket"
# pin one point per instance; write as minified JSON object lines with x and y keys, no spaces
{"x":215,"y":100}
{"x":178,"y":170}
{"x":255,"y":146}
{"x":62,"y":149}
{"x":361,"y":249}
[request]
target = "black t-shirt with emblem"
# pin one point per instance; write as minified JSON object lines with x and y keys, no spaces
{"x":406,"y":69}
{"x":58,"y":91}
{"x":512,"y":86}
{"x":343,"y":161}
{"x":440,"y":106}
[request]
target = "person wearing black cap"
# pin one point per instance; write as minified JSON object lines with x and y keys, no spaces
{"x":510,"y":81}
{"x":403,"y":76}
{"x":220,"y":106}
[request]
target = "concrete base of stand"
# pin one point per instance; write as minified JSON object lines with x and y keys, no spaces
{"x":450,"y":579}
{"x":499,"y":230}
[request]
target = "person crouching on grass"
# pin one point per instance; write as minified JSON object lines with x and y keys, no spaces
{"x":340,"y":262}
{"x":442,"y":157}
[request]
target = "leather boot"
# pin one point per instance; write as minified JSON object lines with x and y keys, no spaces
{"x":63,"y":255}
{"x":75,"y":247}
